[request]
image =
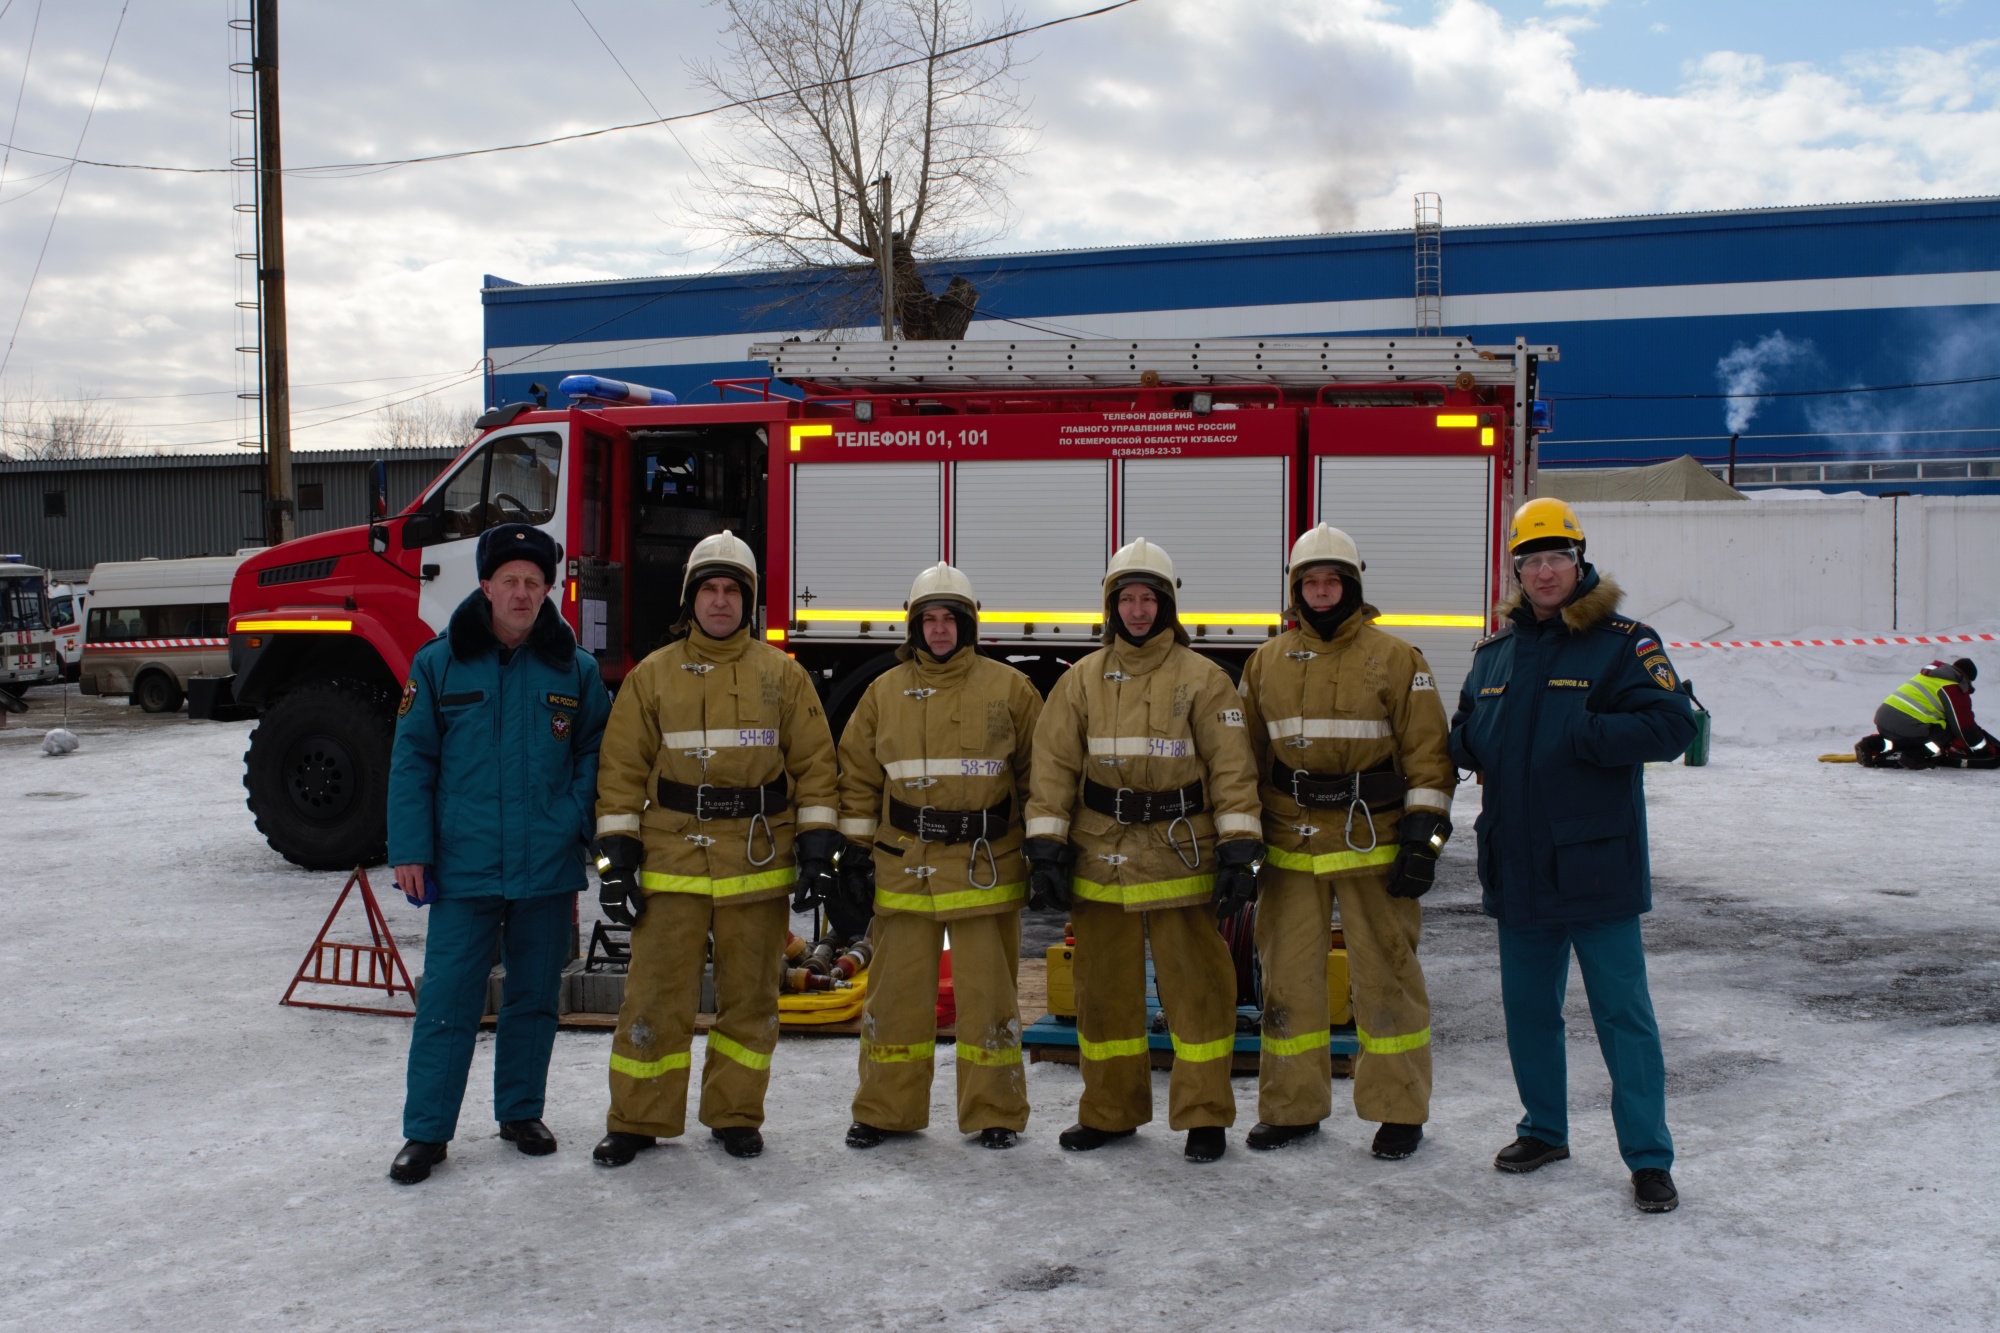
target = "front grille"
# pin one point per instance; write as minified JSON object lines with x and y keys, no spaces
{"x":302,"y":572}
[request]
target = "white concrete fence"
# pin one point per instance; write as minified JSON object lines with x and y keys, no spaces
{"x":1782,"y":566}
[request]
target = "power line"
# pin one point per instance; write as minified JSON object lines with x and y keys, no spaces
{"x":27,"y":62}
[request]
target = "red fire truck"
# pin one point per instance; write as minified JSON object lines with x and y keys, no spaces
{"x":1025,"y":464}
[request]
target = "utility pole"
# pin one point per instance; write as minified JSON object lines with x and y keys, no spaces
{"x":279,"y":502}
{"x":885,"y":258}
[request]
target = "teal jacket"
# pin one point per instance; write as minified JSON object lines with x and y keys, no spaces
{"x":1562,"y":716}
{"x":493,"y":775}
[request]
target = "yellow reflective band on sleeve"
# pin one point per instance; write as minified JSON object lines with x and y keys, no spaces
{"x":1195,"y":1052}
{"x":950,"y":902}
{"x":1109,"y":1050}
{"x":1311,"y":1041}
{"x":626,"y":1065}
{"x":1328,"y":863}
{"x":1125,"y":895}
{"x":718,"y":888}
{"x":898,"y":1055}
{"x":979,"y":1055}
{"x":1391,"y":1045}
{"x":738,"y":1052}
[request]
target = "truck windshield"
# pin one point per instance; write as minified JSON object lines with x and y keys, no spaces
{"x":21,"y":604}
{"x":62,"y":612}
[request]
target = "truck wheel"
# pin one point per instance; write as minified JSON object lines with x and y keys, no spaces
{"x":317,"y":771}
{"x":15,"y":688}
{"x":157,"y":692}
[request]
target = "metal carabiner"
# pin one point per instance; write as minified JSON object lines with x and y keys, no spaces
{"x":750,"y":841}
{"x":972,"y":865}
{"x":1194,"y":840}
{"x":1347,"y":832}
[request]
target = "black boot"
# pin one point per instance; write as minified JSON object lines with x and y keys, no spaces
{"x":864,"y":1136}
{"x":1205,"y":1144}
{"x":530,"y":1136}
{"x":1263,"y":1137}
{"x":997,"y":1137}
{"x":616,"y":1149}
{"x":1082,"y":1138}
{"x":740,"y":1140}
{"x":1527,"y":1153}
{"x":414,"y":1163}
{"x":1653,"y":1190}
{"x":1395,"y":1142}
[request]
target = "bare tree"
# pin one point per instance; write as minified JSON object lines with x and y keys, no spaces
{"x":798,"y":182}
{"x":424,"y":423}
{"x":80,"y":426}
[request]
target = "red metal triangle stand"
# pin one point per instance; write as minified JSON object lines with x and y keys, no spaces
{"x":373,"y":966}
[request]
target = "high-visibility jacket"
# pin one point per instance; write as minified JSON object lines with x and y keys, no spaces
{"x":953,"y":736}
{"x":1934,"y":696}
{"x":1335,"y":707}
{"x":727,"y":713}
{"x":1149,"y":719}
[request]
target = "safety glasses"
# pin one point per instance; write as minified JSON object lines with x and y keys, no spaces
{"x":1567,"y":558}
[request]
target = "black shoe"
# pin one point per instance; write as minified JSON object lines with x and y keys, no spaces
{"x":864,"y":1136}
{"x":616,"y":1149}
{"x":1205,"y":1144}
{"x":1263,"y":1137}
{"x":1082,"y":1138}
{"x":1527,"y":1153}
{"x":530,"y":1136}
{"x":414,"y":1163}
{"x":1395,"y":1142}
{"x":740,"y":1140}
{"x":1653,"y":1190}
{"x":997,"y":1137}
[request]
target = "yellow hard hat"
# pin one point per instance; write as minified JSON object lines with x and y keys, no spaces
{"x":724,"y":553}
{"x":1544,"y":519}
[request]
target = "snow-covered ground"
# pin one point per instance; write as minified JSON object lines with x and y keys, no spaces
{"x":177,"y":1150}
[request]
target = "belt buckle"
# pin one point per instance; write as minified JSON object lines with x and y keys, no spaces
{"x":923,"y":827}
{"x":1118,"y":805}
{"x":1298,"y":799}
{"x":700,"y":811}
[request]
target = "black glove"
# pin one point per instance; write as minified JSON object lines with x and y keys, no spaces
{"x":1415,"y":868}
{"x":815,"y":849}
{"x":619,"y":857}
{"x":1049,"y":864}
{"x":852,"y":905}
{"x":1236,"y":875}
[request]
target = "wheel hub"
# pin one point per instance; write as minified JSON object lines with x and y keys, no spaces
{"x":319,"y":777}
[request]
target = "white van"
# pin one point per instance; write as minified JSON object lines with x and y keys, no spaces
{"x":153,"y":623}
{"x":67,"y":603}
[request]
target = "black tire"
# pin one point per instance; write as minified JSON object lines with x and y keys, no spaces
{"x":157,"y":692}
{"x":15,"y":688}
{"x":317,"y":771}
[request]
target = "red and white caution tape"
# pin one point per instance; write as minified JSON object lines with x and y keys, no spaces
{"x":1839,"y":643}
{"x":127,"y":645}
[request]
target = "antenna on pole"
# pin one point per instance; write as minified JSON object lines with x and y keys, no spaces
{"x":885,"y":258}
{"x":1430,"y":265}
{"x":279,"y":505}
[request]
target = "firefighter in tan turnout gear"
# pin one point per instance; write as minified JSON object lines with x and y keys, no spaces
{"x":715,"y":800}
{"x":1142,"y":813}
{"x":933,"y":778}
{"x":1357,"y":783}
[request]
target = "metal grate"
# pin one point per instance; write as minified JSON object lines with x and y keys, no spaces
{"x":303,"y":572}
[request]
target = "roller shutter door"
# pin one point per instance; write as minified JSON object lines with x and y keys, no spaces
{"x":1032,"y":535}
{"x":1223,"y":522}
{"x":1422,"y":525}
{"x":860,"y":533}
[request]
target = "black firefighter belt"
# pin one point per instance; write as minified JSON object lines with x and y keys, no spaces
{"x":1128,"y":806}
{"x":706,"y":802}
{"x":1380,"y":788}
{"x":931,"y":824}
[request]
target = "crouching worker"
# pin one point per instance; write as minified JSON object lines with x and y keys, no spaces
{"x":499,"y":725}
{"x":715,"y":795}
{"x":1928,"y":722}
{"x":933,"y":778}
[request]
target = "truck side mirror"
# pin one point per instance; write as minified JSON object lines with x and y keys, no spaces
{"x":421,"y":529}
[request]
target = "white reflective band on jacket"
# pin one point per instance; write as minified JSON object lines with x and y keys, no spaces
{"x":720,"y":739}
{"x":905,"y":770}
{"x":1423,"y":798}
{"x":1048,"y":827}
{"x":1156,"y":747}
{"x":610,"y":824}
{"x":1331,"y":728}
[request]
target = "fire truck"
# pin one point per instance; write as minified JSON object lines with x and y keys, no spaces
{"x":855,"y":465}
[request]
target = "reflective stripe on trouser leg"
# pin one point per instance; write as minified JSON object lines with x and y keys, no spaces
{"x":1392,"y":1010}
{"x":1110,"y":973}
{"x":985,"y":962}
{"x":899,"y":1024}
{"x":650,"y":1050}
{"x":1197,"y":980}
{"x":1295,"y":1069}
{"x":749,"y":952}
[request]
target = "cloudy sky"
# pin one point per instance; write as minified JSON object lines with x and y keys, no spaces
{"x":1167,"y":120}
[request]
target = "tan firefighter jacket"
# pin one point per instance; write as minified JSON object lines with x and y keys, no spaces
{"x":1152,"y":718}
{"x":1341,"y":706}
{"x":729,"y":713}
{"x":955,"y":736}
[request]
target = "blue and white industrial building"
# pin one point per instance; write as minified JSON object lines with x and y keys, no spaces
{"x":1657,"y":319}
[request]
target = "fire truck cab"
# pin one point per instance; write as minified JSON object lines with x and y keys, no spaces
{"x":1025,"y":464}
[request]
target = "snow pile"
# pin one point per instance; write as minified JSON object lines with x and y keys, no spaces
{"x":59,"y":742}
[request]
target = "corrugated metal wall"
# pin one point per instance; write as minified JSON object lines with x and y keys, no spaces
{"x":175,"y":506}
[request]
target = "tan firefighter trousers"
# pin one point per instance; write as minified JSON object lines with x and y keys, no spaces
{"x":1392,"y":1012}
{"x":1197,"y":985}
{"x":899,"y":1023}
{"x":650,"y":1051}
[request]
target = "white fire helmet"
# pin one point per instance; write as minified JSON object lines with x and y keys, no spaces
{"x":1325,"y":545}
{"x":1140,"y":561}
{"x":941,"y":583}
{"x":724,"y":553}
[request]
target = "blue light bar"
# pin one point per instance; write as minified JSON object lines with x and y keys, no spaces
{"x":615,"y":391}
